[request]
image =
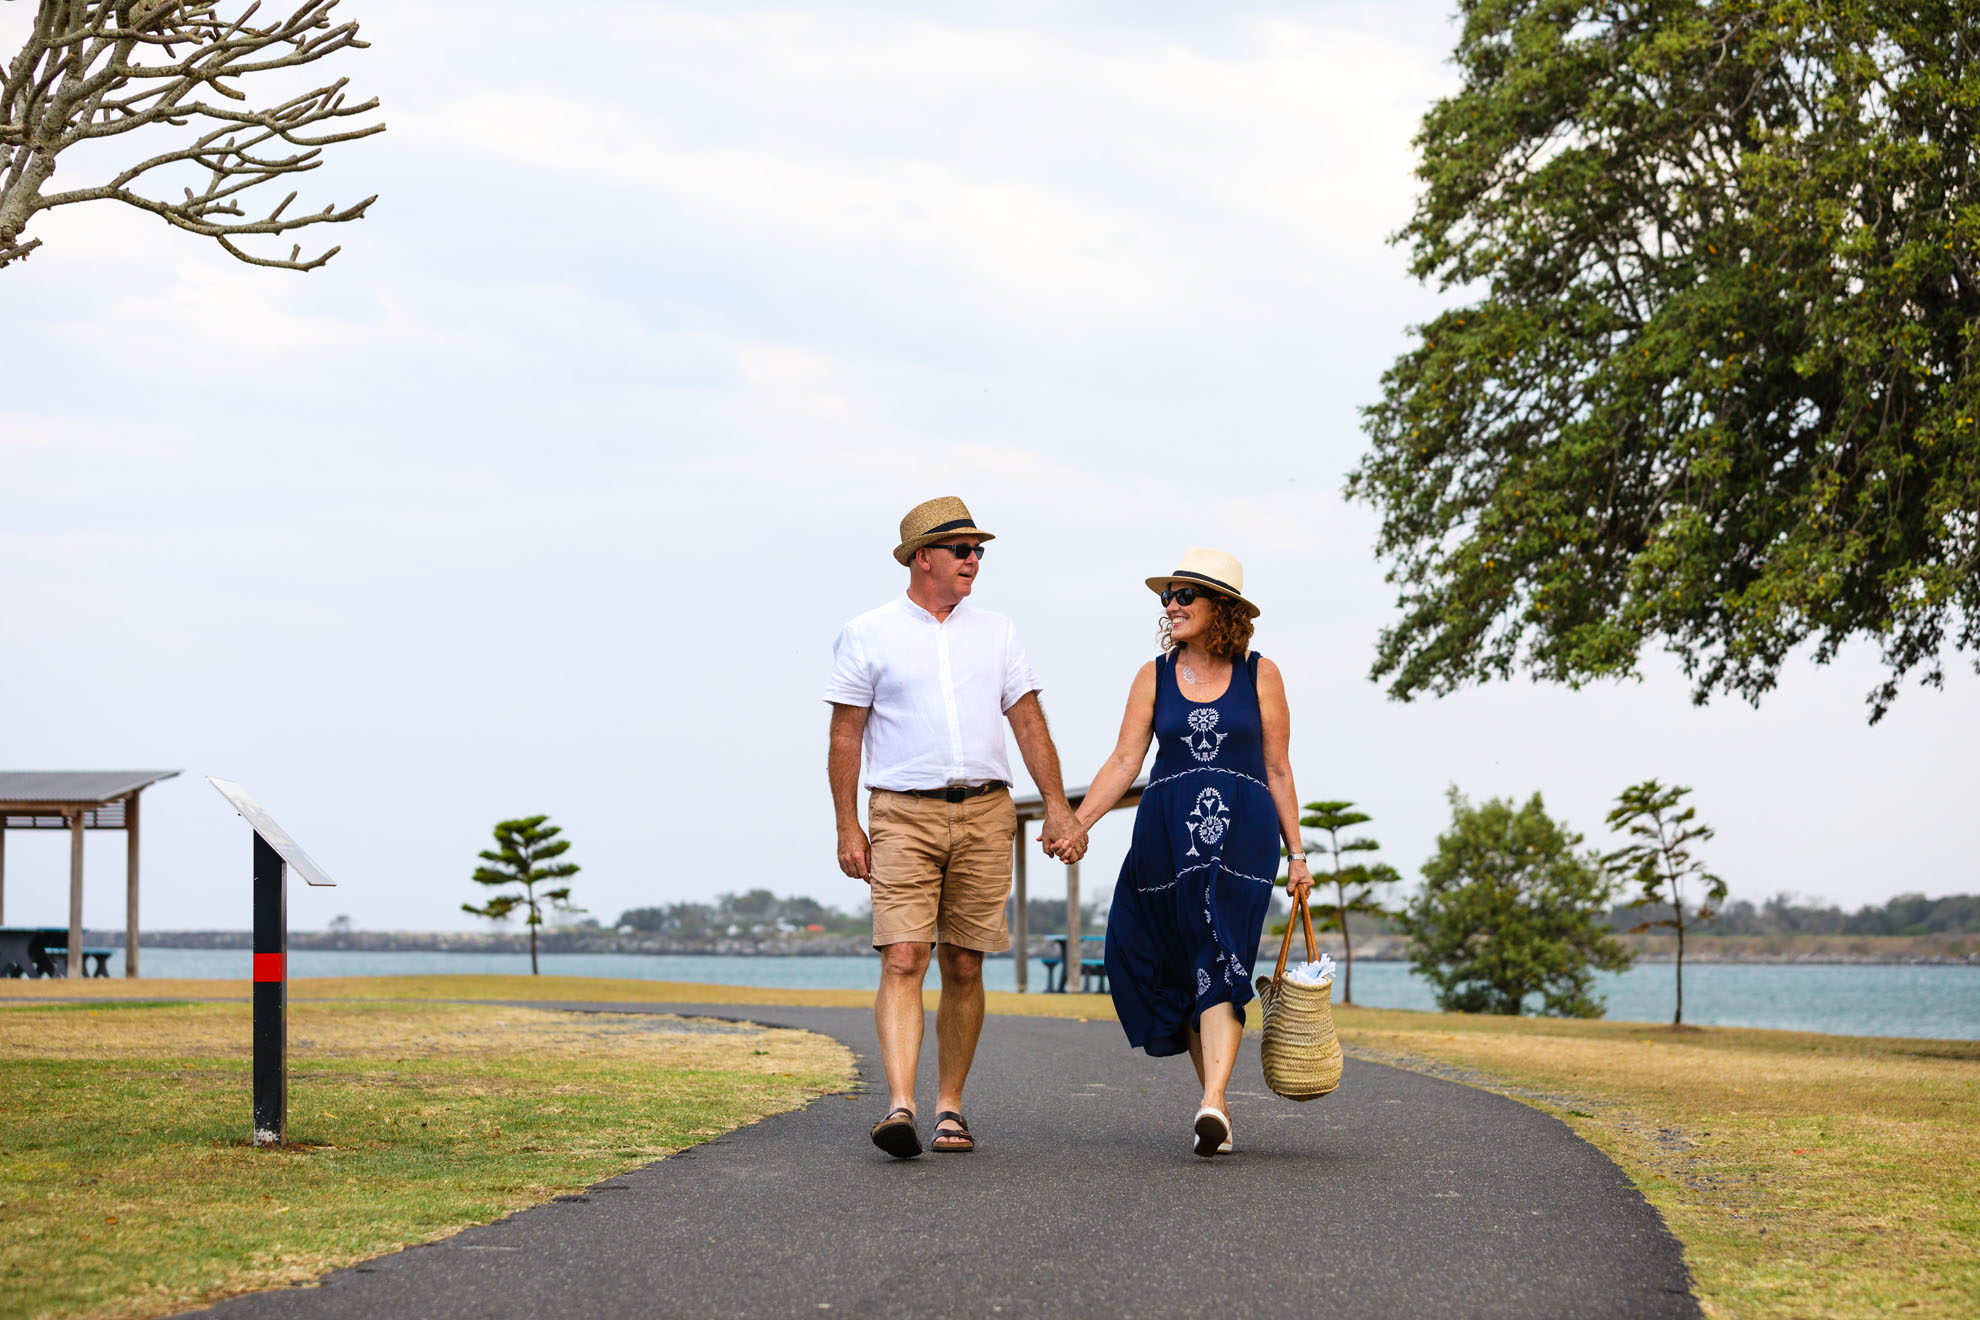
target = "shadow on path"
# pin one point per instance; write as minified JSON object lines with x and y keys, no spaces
{"x":1399,"y":1195}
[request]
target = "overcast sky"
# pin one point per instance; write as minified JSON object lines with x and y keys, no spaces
{"x":550,"y":492}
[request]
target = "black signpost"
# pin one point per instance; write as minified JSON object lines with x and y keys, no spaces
{"x":274,"y":852}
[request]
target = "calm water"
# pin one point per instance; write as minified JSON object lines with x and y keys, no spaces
{"x":1942,"y":1002}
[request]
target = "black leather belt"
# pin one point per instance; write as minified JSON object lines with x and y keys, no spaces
{"x":956,"y":792}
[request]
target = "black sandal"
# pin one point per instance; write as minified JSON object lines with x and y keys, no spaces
{"x":960,"y":1142}
{"x":895,"y":1134}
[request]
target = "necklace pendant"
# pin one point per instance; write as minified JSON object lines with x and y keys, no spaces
{"x":1189,"y":675}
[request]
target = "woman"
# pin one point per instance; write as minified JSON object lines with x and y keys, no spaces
{"x":1197,"y":884}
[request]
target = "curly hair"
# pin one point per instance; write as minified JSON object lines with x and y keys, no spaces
{"x":1229,"y":635}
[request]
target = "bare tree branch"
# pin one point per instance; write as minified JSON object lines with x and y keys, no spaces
{"x":96,"y":69}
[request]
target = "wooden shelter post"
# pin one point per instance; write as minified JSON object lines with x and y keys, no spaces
{"x":3,"y":868}
{"x":1021,"y":927}
{"x":73,"y":966}
{"x":131,"y":885}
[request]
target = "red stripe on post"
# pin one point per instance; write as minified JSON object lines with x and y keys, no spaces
{"x":269,"y":967}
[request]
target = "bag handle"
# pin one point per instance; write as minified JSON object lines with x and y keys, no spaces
{"x":1312,"y":947}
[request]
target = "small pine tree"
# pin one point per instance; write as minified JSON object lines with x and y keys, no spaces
{"x":521,"y":848}
{"x":1660,"y":861}
{"x":1354,"y":884}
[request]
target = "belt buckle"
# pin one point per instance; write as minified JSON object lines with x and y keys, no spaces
{"x":955,"y":793}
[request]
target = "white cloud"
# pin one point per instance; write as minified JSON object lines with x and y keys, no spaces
{"x":1058,"y":188}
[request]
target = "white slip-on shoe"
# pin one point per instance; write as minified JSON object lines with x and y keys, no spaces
{"x":1213,"y":1132}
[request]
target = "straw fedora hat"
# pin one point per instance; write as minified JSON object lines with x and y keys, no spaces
{"x":929,"y":522}
{"x":1214,"y":569}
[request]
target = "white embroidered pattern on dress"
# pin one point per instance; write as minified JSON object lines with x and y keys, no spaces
{"x":1208,"y":769}
{"x":1202,"y":982}
{"x":1208,"y":820}
{"x":1227,"y":870}
{"x":1204,"y":746}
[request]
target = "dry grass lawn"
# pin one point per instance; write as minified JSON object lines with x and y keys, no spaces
{"x":128,"y":1187}
{"x":1806,"y":1175}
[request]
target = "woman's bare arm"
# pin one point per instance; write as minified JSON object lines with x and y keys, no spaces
{"x":1277,"y":720}
{"x":1118,"y":771}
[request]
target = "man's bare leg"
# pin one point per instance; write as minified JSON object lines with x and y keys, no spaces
{"x":958,"y":1024}
{"x":898,"y":1020}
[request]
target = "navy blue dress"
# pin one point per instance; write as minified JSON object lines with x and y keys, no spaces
{"x":1197,"y":883}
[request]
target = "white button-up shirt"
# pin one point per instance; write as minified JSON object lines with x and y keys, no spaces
{"x":937,"y":690}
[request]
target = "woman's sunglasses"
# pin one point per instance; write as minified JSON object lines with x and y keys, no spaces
{"x":959,"y":551}
{"x":1183,"y":596}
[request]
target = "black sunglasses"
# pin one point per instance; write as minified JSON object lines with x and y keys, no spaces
{"x":1183,"y":596}
{"x":959,"y":551}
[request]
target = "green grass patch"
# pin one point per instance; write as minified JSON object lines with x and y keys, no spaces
{"x":129,"y":1187}
{"x":102,"y":1006}
{"x":569,"y":989}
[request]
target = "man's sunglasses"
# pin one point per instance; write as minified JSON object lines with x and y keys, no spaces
{"x":1183,"y":596}
{"x":959,"y":551}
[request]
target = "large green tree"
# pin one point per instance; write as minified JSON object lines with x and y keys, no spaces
{"x":1708,"y":378}
{"x":523,"y":855}
{"x":1510,"y":911}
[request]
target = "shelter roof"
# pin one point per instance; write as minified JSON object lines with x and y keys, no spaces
{"x":75,"y":787}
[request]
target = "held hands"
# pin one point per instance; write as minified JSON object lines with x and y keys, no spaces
{"x":1063,"y":837}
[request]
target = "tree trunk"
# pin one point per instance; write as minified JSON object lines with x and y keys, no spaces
{"x":1347,"y":950}
{"x":1678,"y":1020}
{"x":532,"y":947}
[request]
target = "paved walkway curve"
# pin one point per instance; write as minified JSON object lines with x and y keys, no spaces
{"x":1399,"y":1195}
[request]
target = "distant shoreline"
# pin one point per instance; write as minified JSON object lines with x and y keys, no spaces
{"x":1844,"y":950}
{"x":1834,"y":950}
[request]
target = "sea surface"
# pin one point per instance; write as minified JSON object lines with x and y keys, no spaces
{"x":1842,"y":999}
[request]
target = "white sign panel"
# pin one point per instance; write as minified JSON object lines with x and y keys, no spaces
{"x":277,"y":837}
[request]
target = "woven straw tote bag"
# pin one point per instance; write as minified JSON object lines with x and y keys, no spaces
{"x":1301,"y":1054}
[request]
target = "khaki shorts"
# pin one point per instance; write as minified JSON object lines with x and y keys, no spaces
{"x":941,"y":870}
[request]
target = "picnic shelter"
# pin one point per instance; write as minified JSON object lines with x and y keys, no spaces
{"x":78,"y":800}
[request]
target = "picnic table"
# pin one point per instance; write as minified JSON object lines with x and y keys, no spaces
{"x":1092,"y":971}
{"x":44,"y":951}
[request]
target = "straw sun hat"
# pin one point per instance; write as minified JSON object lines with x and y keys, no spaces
{"x":929,"y":522}
{"x":1214,"y":569}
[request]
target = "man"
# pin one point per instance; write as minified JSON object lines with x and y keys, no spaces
{"x":926,"y":682}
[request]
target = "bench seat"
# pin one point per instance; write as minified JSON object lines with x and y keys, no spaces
{"x":96,"y":962}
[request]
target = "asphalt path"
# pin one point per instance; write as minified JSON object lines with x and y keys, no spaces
{"x":1398,"y":1195}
